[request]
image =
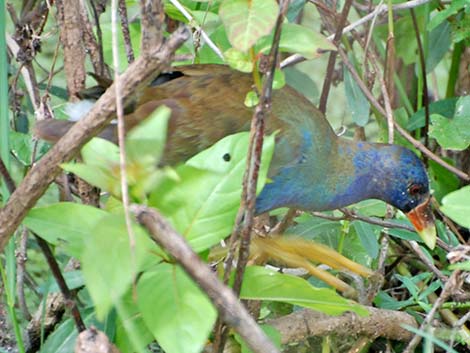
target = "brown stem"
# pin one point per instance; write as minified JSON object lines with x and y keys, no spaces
{"x":332,"y":59}
{"x":422,"y":62}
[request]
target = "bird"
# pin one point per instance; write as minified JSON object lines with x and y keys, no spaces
{"x":312,"y":168}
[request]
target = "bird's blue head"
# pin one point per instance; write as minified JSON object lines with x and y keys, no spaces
{"x":404,"y":182}
{"x":401,"y":180}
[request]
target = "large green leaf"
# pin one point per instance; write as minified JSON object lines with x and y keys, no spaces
{"x":358,"y":104}
{"x":442,"y":180}
{"x":367,"y":234}
{"x":109,"y":263}
{"x":144,"y":147}
{"x":260,"y":283}
{"x":298,"y":39}
{"x":248,"y":20}
{"x":456,"y":205}
{"x":202,"y":203}
{"x":66,"y":222}
{"x":175,"y":310}
{"x":439,"y":44}
{"x":146,"y":141}
{"x":444,"y":107}
{"x":453,"y":133}
{"x":454,"y":7}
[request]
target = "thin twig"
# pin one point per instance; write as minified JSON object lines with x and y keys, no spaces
{"x":21,"y":258}
{"x":125,"y":31}
{"x":428,"y":262}
{"x":121,"y":137}
{"x":198,"y":28}
{"x":332,"y":59}
{"x":422,"y":65}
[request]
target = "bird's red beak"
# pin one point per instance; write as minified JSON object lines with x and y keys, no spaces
{"x":423,"y":220}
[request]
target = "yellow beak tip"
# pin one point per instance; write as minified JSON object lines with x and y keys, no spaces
{"x":428,"y":235}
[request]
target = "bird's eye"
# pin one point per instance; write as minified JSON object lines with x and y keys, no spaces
{"x":415,"y":189}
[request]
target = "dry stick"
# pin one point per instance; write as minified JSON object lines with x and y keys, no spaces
{"x":71,"y":31}
{"x":125,"y":31}
{"x":93,"y":47}
{"x":427,"y":262}
{"x":246,"y":212}
{"x":21,"y":273}
{"x":122,"y":146}
{"x":198,"y":28}
{"x":300,"y":325}
{"x":254,"y":152}
{"x":401,"y":130}
{"x":332,"y":59}
{"x":450,"y":285}
{"x":223,"y":298}
{"x":44,"y":172}
{"x":422,"y":62}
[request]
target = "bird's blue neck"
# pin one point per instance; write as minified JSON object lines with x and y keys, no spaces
{"x":350,"y":174}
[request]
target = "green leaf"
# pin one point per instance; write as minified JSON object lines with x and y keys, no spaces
{"x":465,"y":266}
{"x":247,"y":20}
{"x":368,"y":237}
{"x":146,"y":141}
{"x":404,"y":234}
{"x":134,"y":30}
{"x":298,"y":39}
{"x":308,"y":226}
{"x":238,"y":60}
{"x":100,"y":152}
{"x":456,"y":205}
{"x":439,"y":44}
{"x":67,"y":222}
{"x":431,"y":337}
{"x":260,"y":283}
{"x":22,"y":147}
{"x":442,"y":180}
{"x":444,"y":107}
{"x":144,"y":147}
{"x":279,"y":79}
{"x":358,"y":104}
{"x":302,"y":83}
{"x":176,"y":311}
{"x":202,"y":203}
{"x":453,"y":133}
{"x":251,"y":99}
{"x":105,"y":177}
{"x":132,"y":334}
{"x":454,"y":7}
{"x":109,"y":263}
{"x":375,"y":208}
{"x":207,"y":55}
{"x":295,"y":7}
